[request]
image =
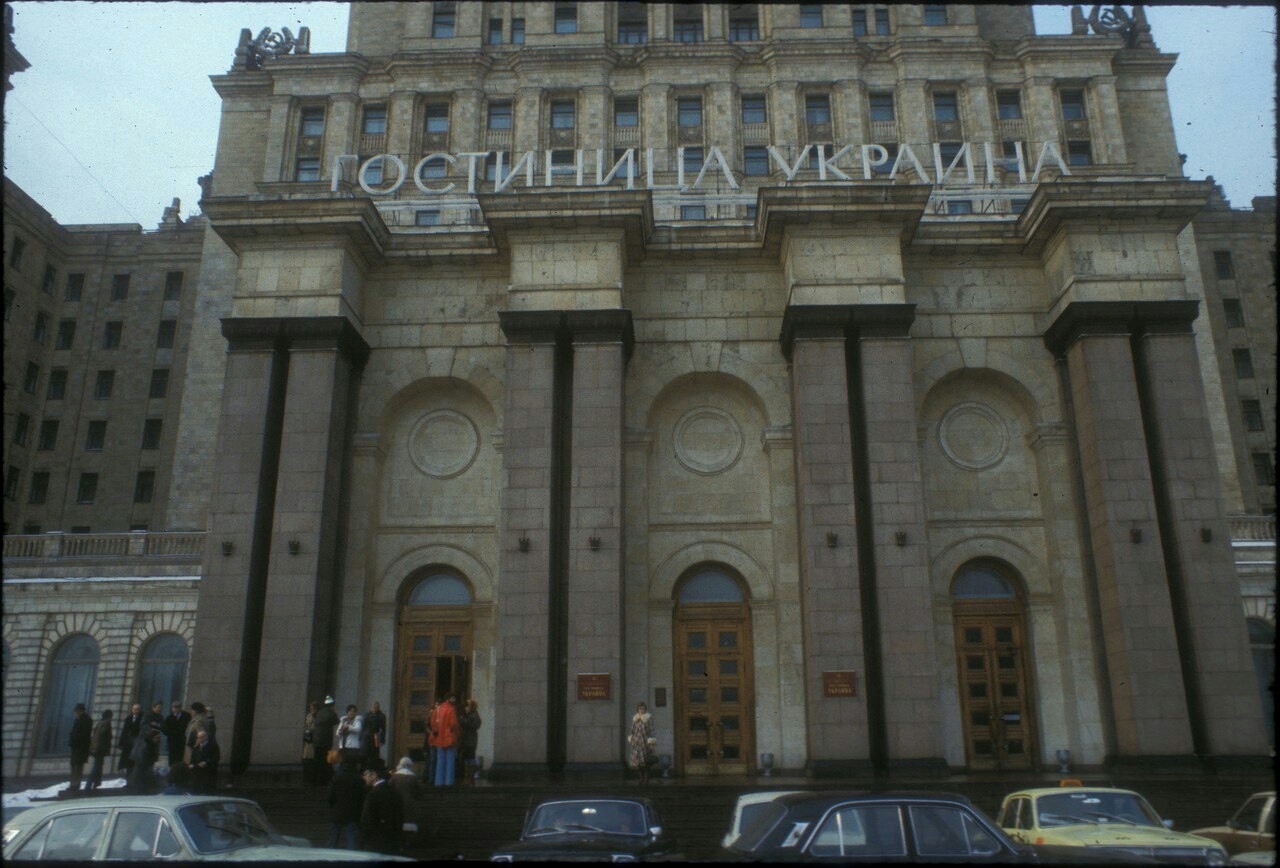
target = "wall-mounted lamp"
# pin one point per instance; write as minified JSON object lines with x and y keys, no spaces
{"x":900,"y":537}
{"x":227,"y":548}
{"x":832,"y":539}
{"x":1135,"y":534}
{"x":594,"y":543}
{"x":1206,"y":534}
{"x":523,"y":543}
{"x":294,"y":546}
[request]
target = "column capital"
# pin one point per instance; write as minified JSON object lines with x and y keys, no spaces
{"x":834,"y":321}
{"x":530,"y":326}
{"x":316,"y":333}
{"x":1084,"y":318}
{"x":579,"y":326}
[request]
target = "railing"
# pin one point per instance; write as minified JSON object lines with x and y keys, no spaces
{"x":1013,"y":128}
{"x":373,"y":143}
{"x":104,"y":545}
{"x":626,"y":136}
{"x":497,"y":139}
{"x":755,"y":134}
{"x":884,"y":132}
{"x":1253,"y":528}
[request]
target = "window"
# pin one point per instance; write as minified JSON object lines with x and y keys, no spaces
{"x":104,"y":384}
{"x":562,"y":162}
{"x":111,"y":334}
{"x":443,"y":19}
{"x":755,"y":161}
{"x":495,"y":31}
{"x":57,"y":384}
{"x":75,"y":287}
{"x":173,"y":285}
{"x":66,"y":334}
{"x":96,"y":436}
{"x":949,"y":151}
{"x":689,"y":111}
{"x":375,"y":120}
{"x":162,"y":674}
{"x":935,"y":15}
{"x":436,"y":119}
{"x":48,"y":436}
{"x":87,"y":490}
{"x":426,"y":218}
{"x":693,"y":159}
{"x":1234,"y":313}
{"x":15,"y":254}
{"x":687,"y":30}
{"x":1079,"y":153}
{"x":859,"y":22}
{"x":73,"y":671}
{"x":119,"y":287}
{"x":944,"y":831}
{"x":165,"y":334}
{"x":31,"y":381}
{"x":882,"y":22}
{"x":1243,"y":360}
{"x":566,"y":18}
{"x":308,"y":169}
{"x":882,"y":107}
{"x":1008,"y":105}
{"x":562,"y":115}
{"x":12,"y":479}
{"x":41,"y":329}
{"x":1263,"y":471}
{"x":159,"y":383}
{"x":39,"y":492}
{"x":21,"y":427}
{"x":887,"y":166}
{"x":810,"y":15}
{"x":817,"y":108}
{"x":693,"y":212}
{"x":139,"y":836}
{"x":1252,"y":415}
{"x":1017,"y":206}
{"x":626,"y":112}
{"x":46,"y":283}
{"x":1009,"y":155}
{"x":1223,"y":266}
{"x":945,"y":106}
{"x":633,"y":24}
{"x":491,"y":166}
{"x":500,"y":116}
{"x":860,"y":830}
{"x":744,"y":26}
{"x":517,"y":31}
{"x":151,"y":431}
{"x":960,"y":206}
{"x":753,"y":110}
{"x":9,"y":296}
{"x":312,"y":121}
{"x":751,"y":211}
{"x":1072,"y":105}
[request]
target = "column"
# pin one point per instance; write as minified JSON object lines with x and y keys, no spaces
{"x":915,"y":114}
{"x":980,"y":122}
{"x":1107,"y":128}
{"x":601,"y":343}
{"x":1041,"y":107}
{"x":303,"y":596}
{"x":341,"y":132}
{"x":851,"y":97}
{"x":527,"y":132}
{"x":273,"y":168}
{"x":400,"y":133}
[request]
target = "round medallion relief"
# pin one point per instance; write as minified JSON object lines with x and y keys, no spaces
{"x":973,"y":436}
{"x":443,"y":443}
{"x":707,"y":440}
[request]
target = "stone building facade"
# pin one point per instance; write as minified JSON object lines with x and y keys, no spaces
{"x":823,"y":455}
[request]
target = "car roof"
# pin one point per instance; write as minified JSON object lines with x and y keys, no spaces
{"x":639,"y":800}
{"x":40,"y":810}
{"x":1049,"y":791}
{"x":822,"y":800}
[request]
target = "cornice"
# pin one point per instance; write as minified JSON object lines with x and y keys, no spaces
{"x":898,"y":206}
{"x":244,"y":223}
{"x":1147,"y":203}
{"x":1140,"y":318}
{"x":844,"y":321}
{"x":299,"y":333}
{"x":629,"y":210}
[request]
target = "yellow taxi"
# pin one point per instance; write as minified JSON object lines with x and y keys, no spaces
{"x":1102,"y":817}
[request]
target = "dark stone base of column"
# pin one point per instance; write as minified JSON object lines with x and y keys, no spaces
{"x":613,"y":771}
{"x":1180,"y":764}
{"x":1239,"y":765}
{"x":921,"y":767}
{"x":517,"y":772}
{"x":841,"y":768}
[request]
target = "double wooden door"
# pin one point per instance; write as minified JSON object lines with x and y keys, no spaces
{"x":714,"y":707}
{"x":434,"y":661}
{"x":998,"y":725}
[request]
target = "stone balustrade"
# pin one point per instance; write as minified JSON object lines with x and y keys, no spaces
{"x":1253,"y":528}
{"x":60,"y":546}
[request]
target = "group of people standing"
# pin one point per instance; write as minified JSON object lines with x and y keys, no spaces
{"x":191,"y":742}
{"x":452,"y":737}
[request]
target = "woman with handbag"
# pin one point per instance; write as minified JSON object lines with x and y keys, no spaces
{"x":641,"y":742}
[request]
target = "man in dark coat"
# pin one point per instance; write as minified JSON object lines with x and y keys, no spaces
{"x":99,"y":749}
{"x":382,"y":820}
{"x":373,"y":734}
{"x":129,"y":731}
{"x":175,"y":731}
{"x":80,"y":742}
{"x":323,"y":728}
{"x":204,"y":763}
{"x":346,"y":801}
{"x":146,"y":750}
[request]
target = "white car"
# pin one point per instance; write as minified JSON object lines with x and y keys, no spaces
{"x":158,"y":827}
{"x":747,"y":806}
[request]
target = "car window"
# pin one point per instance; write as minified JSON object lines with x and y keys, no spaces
{"x":756,"y":822}
{"x":942,"y":831}
{"x":35,"y":844}
{"x":1246,"y":819}
{"x":218,"y":826}
{"x":133,"y":836}
{"x":860,"y":830}
{"x":1095,"y":808}
{"x":1026,"y":818}
{"x":626,"y":818}
{"x":167,"y":845}
{"x":66,"y":837}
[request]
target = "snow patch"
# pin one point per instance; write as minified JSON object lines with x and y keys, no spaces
{"x":27,"y":797}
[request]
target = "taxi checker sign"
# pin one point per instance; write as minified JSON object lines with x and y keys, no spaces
{"x":591,"y":169}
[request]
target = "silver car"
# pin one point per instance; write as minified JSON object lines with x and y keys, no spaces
{"x":158,"y":827}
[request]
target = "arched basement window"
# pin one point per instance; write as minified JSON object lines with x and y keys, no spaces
{"x":73,"y":670}
{"x":710,"y":586}
{"x":162,"y":674}
{"x":977,"y":582}
{"x":441,"y":589}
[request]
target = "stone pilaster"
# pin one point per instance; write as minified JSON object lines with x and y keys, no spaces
{"x":1108,"y":131}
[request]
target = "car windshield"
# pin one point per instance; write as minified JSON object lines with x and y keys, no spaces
{"x":1095,"y":808}
{"x":614,"y":817}
{"x":216,"y":827}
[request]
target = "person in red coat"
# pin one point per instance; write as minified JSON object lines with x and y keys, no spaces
{"x":447,"y":732}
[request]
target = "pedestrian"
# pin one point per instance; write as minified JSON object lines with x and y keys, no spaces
{"x":382,"y":819}
{"x":373,"y":733}
{"x":100,"y":748}
{"x":325,"y":725}
{"x":346,"y":799}
{"x":406,"y":781}
{"x":641,"y":742}
{"x":447,"y":741}
{"x":129,"y":731}
{"x":175,"y":732}
{"x":157,"y":713}
{"x":470,"y":739}
{"x":348,"y":735}
{"x":145,"y":752}
{"x":210,"y":724}
{"x":199,"y":722}
{"x":309,"y":743}
{"x":81,"y":743}
{"x":433,"y":749}
{"x":204,"y":763}
{"x":179,"y":780}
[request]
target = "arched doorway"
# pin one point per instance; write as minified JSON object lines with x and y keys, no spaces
{"x":73,"y":674}
{"x":433,"y":655}
{"x":162,"y":670}
{"x":1262,"y":642}
{"x":714,"y":700}
{"x":994,"y":660}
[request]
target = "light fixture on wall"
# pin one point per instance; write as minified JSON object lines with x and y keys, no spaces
{"x":1135,"y":534}
{"x":227,"y":548}
{"x":594,"y":543}
{"x":900,"y":537}
{"x":832,"y":539}
{"x":294,"y":546}
{"x":1206,"y":534}
{"x":523,"y":543}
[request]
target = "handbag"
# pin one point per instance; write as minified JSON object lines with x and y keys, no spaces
{"x":333,"y":756}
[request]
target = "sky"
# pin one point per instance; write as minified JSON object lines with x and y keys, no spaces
{"x":116,"y":116}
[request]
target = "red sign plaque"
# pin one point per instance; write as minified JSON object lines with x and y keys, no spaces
{"x":593,"y":685}
{"x":839,"y":684}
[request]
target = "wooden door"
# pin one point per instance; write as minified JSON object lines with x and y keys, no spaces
{"x":998,"y":725}
{"x":434,"y":661}
{"x":714,"y":704}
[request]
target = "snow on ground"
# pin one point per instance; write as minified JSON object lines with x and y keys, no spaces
{"x":27,"y":797}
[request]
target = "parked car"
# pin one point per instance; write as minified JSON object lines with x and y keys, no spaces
{"x":1251,"y":829}
{"x":1120,"y":820}
{"x":745,"y":811}
{"x":158,"y":827}
{"x":590,"y":830}
{"x":886,"y":827}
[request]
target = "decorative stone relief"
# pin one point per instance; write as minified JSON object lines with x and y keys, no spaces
{"x":973,"y":436}
{"x":707,"y":441}
{"x":443,"y":443}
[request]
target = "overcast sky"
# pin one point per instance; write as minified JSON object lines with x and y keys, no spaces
{"x":116,"y":115}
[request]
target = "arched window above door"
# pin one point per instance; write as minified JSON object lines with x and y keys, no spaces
{"x":73,"y":671}
{"x":440,"y":589}
{"x":980,"y":582}
{"x":710,"y":586}
{"x":162,"y":672}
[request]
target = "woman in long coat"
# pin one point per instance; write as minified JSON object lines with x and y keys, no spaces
{"x":640,"y":742}
{"x":469,"y":740}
